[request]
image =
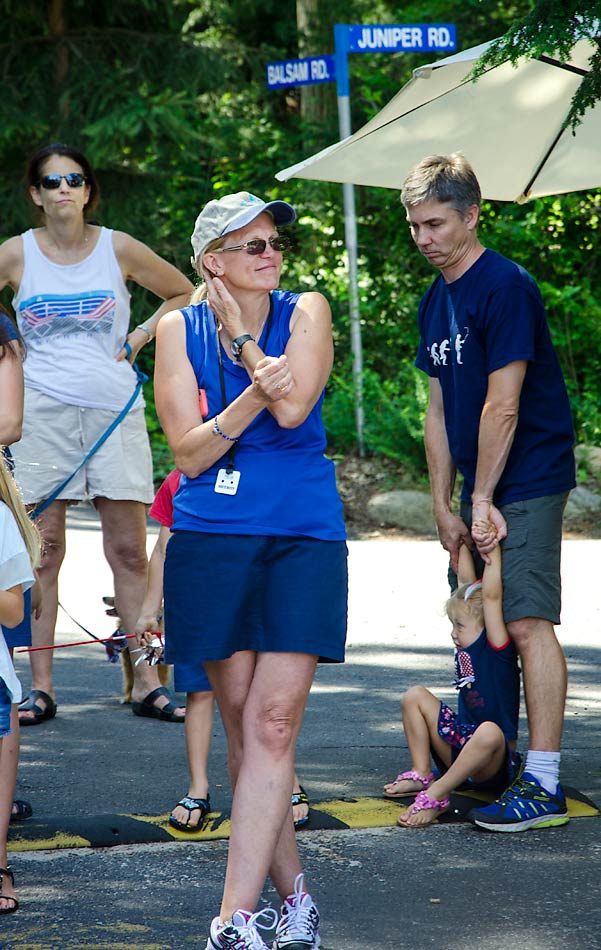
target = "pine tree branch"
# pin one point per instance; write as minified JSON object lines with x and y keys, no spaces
{"x":552,"y":28}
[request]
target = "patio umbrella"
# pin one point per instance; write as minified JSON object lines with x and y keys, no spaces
{"x":508,"y":124}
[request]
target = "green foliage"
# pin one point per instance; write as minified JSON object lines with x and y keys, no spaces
{"x":553,"y":27}
{"x":170,"y":103}
{"x":557,"y":240}
{"x":394,"y":409}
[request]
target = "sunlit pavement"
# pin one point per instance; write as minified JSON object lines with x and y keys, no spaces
{"x":448,"y":886}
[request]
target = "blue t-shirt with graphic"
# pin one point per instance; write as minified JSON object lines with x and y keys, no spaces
{"x":489,"y":317}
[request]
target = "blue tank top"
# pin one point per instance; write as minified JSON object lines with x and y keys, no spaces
{"x":287,"y":486}
{"x":8,"y":330}
{"x":488,"y":681}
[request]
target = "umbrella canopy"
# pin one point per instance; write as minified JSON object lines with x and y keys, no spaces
{"x":508,"y":124}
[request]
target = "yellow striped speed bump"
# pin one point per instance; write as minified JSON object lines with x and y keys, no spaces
{"x":102,"y":831}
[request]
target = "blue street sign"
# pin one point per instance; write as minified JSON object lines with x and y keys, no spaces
{"x":408,"y":38}
{"x":301,"y":72}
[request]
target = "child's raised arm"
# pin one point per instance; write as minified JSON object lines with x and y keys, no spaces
{"x":466,"y":572}
{"x":492,"y":600}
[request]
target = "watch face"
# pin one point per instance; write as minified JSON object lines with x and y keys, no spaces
{"x":237,"y":344}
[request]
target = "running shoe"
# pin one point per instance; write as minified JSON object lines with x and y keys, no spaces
{"x":298,"y":928}
{"x":525,"y":804}
{"x":241,"y":933}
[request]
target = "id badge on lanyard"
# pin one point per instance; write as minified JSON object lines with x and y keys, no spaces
{"x":227,"y":481}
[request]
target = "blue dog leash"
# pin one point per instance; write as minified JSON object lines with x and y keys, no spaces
{"x":141,"y":379}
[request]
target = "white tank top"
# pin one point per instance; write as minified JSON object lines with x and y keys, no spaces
{"x":74,"y":319}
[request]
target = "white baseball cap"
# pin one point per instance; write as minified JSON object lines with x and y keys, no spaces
{"x":222,"y":215}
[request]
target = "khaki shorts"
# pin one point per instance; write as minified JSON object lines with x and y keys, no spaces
{"x":57,"y":436}
{"x":531,"y":557}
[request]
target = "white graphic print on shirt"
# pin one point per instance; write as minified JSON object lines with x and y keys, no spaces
{"x":47,"y":315}
{"x":439,"y":351}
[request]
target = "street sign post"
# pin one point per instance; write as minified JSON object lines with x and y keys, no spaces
{"x":371,"y":39}
{"x":385,"y":38}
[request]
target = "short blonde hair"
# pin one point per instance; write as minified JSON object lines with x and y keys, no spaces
{"x":473,"y":605}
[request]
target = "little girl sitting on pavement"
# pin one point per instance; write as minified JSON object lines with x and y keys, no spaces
{"x":476,"y":745}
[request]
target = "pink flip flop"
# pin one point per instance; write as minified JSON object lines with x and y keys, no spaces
{"x":414,"y":776}
{"x":421,"y":803}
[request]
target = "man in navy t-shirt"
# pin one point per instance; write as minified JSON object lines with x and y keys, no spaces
{"x":499,"y":414}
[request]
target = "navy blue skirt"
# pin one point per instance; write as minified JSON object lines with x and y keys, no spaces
{"x":190,"y":678}
{"x":226,"y":593}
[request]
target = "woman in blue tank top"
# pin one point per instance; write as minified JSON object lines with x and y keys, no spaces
{"x":255,"y":573}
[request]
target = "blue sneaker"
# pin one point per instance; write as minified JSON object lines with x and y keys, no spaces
{"x":525,"y":804}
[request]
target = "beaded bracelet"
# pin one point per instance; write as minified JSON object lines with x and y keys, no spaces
{"x":217,"y":431}
{"x":145,"y":330}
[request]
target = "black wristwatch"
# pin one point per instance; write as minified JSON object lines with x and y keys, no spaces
{"x":238,"y":343}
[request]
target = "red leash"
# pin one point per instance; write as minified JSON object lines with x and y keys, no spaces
{"x":80,"y":643}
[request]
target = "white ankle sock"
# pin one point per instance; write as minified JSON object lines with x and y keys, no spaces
{"x":545,"y":768}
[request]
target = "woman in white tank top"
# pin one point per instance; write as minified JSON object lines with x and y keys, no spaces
{"x":72,"y":304}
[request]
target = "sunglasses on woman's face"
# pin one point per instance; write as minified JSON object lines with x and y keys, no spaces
{"x":258,"y":246}
{"x":73,"y":179}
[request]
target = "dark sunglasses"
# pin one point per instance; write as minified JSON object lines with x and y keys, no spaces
{"x":258,"y":246}
{"x":73,"y":179}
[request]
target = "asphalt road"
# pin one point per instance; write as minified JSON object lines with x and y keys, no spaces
{"x":449,"y":886}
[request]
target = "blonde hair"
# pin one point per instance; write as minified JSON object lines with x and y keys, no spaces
{"x":9,"y":493}
{"x":200,"y":291}
{"x":473,"y":605}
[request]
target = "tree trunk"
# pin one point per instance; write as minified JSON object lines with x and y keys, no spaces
{"x":57,"y":27}
{"x":315,"y":38}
